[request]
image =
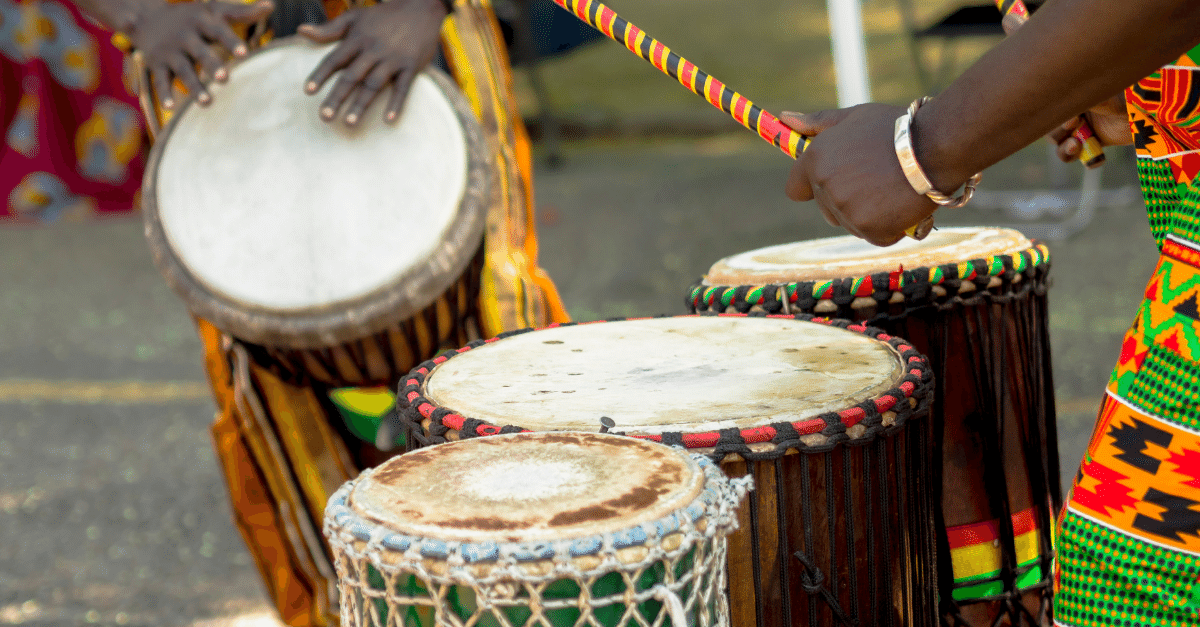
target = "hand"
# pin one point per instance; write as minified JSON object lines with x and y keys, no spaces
{"x":851,"y":169}
{"x":1109,"y":122}
{"x":175,"y":38}
{"x":385,"y":44}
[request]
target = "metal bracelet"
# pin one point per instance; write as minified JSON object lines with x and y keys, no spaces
{"x":912,"y":169}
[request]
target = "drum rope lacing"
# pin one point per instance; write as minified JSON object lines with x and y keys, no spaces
{"x":426,"y":423}
{"x":915,"y":285}
{"x":505,"y":574}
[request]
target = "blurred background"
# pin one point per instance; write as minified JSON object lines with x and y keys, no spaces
{"x":112,"y":509}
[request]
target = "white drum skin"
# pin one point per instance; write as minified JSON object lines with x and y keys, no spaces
{"x":849,"y":256}
{"x":690,"y":374}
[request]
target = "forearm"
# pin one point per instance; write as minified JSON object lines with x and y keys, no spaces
{"x":1070,"y":56}
{"x":117,"y":15}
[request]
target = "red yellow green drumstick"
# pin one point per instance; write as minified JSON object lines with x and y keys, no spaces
{"x":1091,"y":153}
{"x":748,"y":114}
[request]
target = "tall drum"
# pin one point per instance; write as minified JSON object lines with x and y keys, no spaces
{"x":974,"y":301}
{"x":823,"y":415}
{"x":537,"y":530}
{"x":344,"y":255}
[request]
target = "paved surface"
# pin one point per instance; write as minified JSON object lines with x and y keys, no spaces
{"x":112,"y":510}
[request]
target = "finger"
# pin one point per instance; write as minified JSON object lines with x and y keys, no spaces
{"x":381,"y":75}
{"x":812,"y":124}
{"x":400,"y":91}
{"x":1068,"y":149}
{"x":350,"y":77}
{"x":343,"y":54}
{"x":829,"y":207}
{"x":218,"y":31}
{"x":330,"y":31}
{"x":182,"y":67}
{"x":1063,"y":131}
{"x":204,"y":56}
{"x":160,"y":77}
{"x":830,"y":217}
{"x":244,"y":13}
{"x":798,"y":187}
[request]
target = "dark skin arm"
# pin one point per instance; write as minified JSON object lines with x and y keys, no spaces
{"x":1071,"y":55}
{"x":383,"y":45}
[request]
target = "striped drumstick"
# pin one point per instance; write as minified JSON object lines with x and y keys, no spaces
{"x":748,"y":114}
{"x":1014,"y":15}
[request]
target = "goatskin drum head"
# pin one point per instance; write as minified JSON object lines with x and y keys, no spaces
{"x":849,"y":256}
{"x":682,"y":374}
{"x":528,"y":487}
{"x":264,"y":208}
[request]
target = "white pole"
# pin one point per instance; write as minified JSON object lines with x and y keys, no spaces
{"x":849,"y":52}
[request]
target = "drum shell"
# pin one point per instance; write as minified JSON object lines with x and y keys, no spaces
{"x":987,"y":341}
{"x":855,"y":515}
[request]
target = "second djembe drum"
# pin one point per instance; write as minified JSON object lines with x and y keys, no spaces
{"x":974,"y":301}
{"x":826,"y":416}
{"x":535,"y":530}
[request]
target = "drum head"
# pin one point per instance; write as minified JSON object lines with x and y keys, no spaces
{"x":528,"y":487}
{"x":849,"y":256}
{"x":287,"y":230}
{"x":683,"y":374}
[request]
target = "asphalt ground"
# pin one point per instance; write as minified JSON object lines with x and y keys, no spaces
{"x":112,"y":509}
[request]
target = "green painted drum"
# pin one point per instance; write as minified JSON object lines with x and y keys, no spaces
{"x":546,"y":529}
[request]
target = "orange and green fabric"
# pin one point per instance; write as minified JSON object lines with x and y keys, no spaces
{"x":976,"y":558}
{"x":1128,"y":550}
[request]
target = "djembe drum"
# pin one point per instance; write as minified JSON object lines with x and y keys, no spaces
{"x":345,"y":255}
{"x":538,"y":530}
{"x":974,"y":301}
{"x":820,"y":414}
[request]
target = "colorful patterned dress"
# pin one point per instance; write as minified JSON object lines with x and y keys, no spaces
{"x":73,"y":144}
{"x":1129,"y":537}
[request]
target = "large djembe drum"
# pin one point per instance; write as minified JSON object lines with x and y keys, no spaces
{"x":342,"y":255}
{"x":537,"y":530}
{"x":823,"y":415}
{"x":974,"y":301}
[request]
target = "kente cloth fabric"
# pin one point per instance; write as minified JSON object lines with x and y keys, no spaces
{"x":285,"y":447}
{"x":74,"y":144}
{"x":1129,"y":537}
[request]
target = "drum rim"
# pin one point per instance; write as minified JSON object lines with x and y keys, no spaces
{"x":351,"y":319}
{"x":909,"y":399}
{"x":715,"y":504}
{"x":915,"y":285}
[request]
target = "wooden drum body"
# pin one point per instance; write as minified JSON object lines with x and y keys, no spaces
{"x":974,"y":301}
{"x":535,"y":530}
{"x":343,"y":255}
{"x":807,"y":408}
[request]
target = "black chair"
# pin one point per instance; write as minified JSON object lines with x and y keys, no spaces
{"x":979,"y":20}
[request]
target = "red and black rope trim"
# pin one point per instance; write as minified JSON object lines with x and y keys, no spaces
{"x":916,"y":285}
{"x":428,"y":423}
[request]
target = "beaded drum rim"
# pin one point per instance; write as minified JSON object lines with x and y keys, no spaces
{"x":344,"y":321}
{"x":879,"y":416}
{"x":711,"y":514}
{"x":915,"y":287}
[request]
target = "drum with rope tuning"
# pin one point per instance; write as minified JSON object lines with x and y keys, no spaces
{"x":339,"y":255}
{"x":537,"y":530}
{"x":974,"y":301}
{"x":827,"y":417}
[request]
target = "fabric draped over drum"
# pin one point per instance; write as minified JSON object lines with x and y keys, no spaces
{"x":281,"y":444}
{"x":983,"y":324}
{"x":832,"y":490}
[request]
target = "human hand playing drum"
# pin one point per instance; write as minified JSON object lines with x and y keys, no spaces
{"x":1024,"y":88}
{"x":383,"y":45}
{"x":380,"y":46}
